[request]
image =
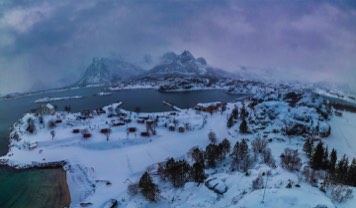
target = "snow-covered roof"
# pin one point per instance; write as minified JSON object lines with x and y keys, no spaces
{"x":49,"y":106}
{"x":204,"y":105}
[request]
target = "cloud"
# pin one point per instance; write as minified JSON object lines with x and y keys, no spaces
{"x":23,"y":19}
{"x":51,"y":41}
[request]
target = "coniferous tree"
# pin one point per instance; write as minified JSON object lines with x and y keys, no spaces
{"x":325,"y":164}
{"x":244,"y":112}
{"x":234,"y":156}
{"x":211,"y":155}
{"x":183,"y":173}
{"x":230,"y":122}
{"x":169,"y":170}
{"x":239,"y":156}
{"x":235,"y":113}
{"x":224,"y":147}
{"x":332,"y":161}
{"x":198,"y":155}
{"x":197,"y":172}
{"x":308,"y":147}
{"x":177,"y":172}
{"x":317,"y":157}
{"x":233,"y":117}
{"x":243,"y":127}
{"x":342,"y":169}
{"x":148,"y":188}
{"x":351,"y":179}
{"x":243,"y":151}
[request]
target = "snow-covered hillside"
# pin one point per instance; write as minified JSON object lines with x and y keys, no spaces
{"x":109,"y":149}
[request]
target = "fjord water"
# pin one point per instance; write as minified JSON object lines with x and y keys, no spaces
{"x":47,"y":187}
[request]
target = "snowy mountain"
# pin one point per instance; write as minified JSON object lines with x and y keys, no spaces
{"x":109,"y":70}
{"x":185,"y":64}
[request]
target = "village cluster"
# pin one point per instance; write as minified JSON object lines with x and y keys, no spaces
{"x":276,"y":139}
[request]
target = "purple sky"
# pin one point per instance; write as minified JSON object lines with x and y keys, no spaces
{"x":49,"y":43}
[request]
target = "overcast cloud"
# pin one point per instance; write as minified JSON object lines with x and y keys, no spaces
{"x":49,"y":43}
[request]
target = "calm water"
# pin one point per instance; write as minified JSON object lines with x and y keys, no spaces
{"x":37,"y":187}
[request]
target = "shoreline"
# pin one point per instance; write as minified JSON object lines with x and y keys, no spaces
{"x":93,"y":178}
{"x":83,"y":170}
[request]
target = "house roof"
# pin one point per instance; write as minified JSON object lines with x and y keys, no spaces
{"x":205,"y":105}
{"x":49,"y":106}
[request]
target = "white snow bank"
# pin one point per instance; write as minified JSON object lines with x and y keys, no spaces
{"x":50,"y":99}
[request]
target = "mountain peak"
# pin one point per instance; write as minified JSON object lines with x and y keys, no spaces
{"x":107,"y":70}
{"x":186,"y":56}
{"x":187,"y":53}
{"x":168,"y":57}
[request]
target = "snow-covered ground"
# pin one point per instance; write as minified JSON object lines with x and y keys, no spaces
{"x":51,"y":99}
{"x":93,"y":162}
{"x":343,"y":134}
{"x":351,"y":99}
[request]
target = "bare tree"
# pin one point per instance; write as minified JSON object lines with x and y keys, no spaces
{"x":212,"y":137}
{"x":53,"y":133}
{"x":107,"y":133}
{"x":290,"y":159}
{"x":257,"y":183}
{"x":246,"y":163}
{"x":341,"y":193}
{"x":259,"y":145}
{"x":133,"y":189}
{"x":268,"y":158}
{"x":151,"y":126}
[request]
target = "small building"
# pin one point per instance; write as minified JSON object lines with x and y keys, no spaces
{"x":181,"y":129}
{"x":132,"y":129}
{"x":140,"y":121}
{"x":171,"y":127}
{"x":118,"y":123}
{"x":47,"y":109}
{"x":33,"y":145}
{"x":143,"y":117}
{"x":209,"y":107}
{"x":149,"y":121}
{"x":75,"y":131}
